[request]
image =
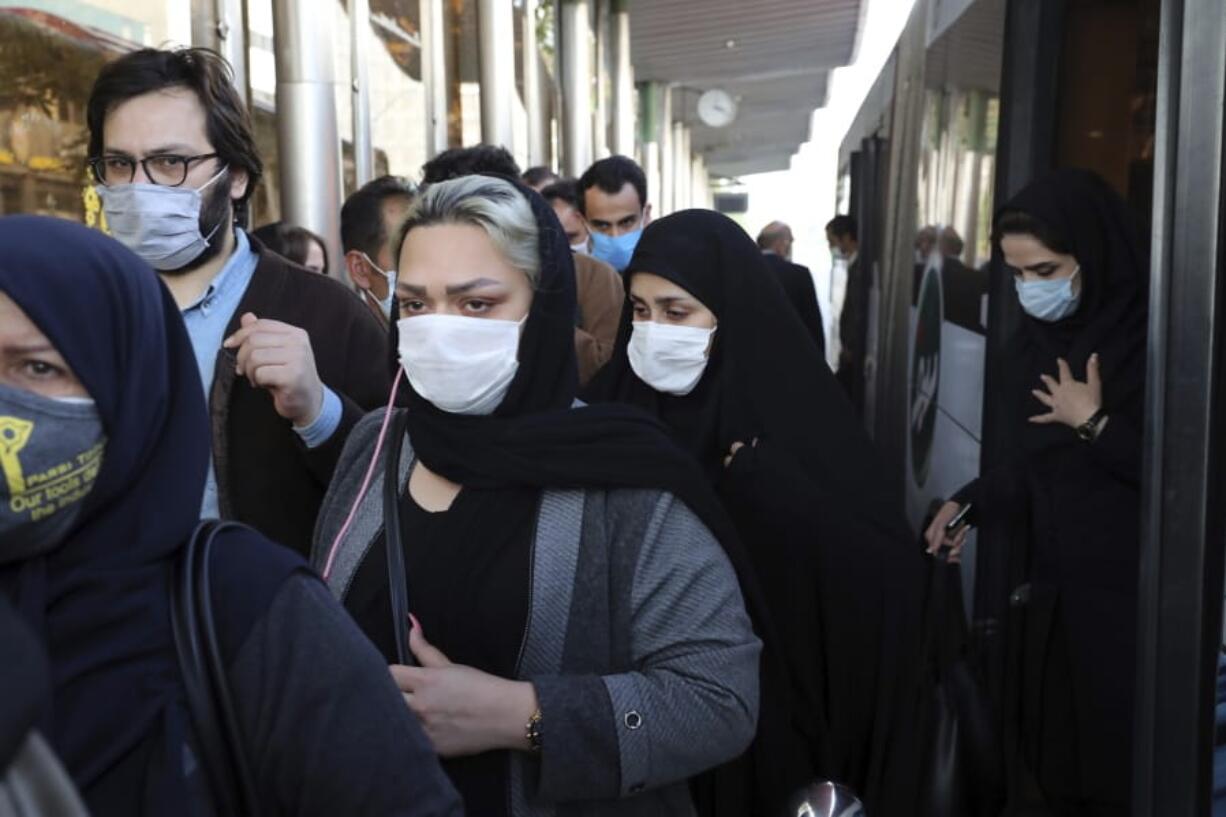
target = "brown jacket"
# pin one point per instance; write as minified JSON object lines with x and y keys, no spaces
{"x":266,"y":476}
{"x":601,"y":298}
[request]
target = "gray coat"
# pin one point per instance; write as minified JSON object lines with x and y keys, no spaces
{"x":643,"y":658}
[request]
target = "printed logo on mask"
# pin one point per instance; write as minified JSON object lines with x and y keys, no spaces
{"x":53,"y":489}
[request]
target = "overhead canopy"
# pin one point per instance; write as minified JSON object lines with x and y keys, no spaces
{"x":773,"y":56}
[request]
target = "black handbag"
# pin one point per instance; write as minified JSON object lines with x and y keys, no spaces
{"x":218,"y":738}
{"x":965,"y":766}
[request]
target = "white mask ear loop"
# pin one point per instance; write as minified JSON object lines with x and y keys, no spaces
{"x":370,"y":472}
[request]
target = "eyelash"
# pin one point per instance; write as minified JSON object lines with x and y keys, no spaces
{"x":50,"y":370}
{"x":475,"y":305}
{"x":673,"y":314}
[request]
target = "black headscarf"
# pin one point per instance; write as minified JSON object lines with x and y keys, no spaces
{"x":100,"y":600}
{"x":539,"y":438}
{"x":1096,"y":227}
{"x":833,"y":544}
{"x":23,"y":684}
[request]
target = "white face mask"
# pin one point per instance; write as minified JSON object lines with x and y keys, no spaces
{"x":386,"y":303}
{"x":671,"y":359}
{"x":462,"y":365}
{"x":583,"y":247}
{"x":160,"y":224}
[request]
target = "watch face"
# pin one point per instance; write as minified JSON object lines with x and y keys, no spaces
{"x":716,"y":108}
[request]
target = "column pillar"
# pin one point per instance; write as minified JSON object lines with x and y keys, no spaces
{"x":681,"y":164}
{"x":623,"y":81}
{"x":649,"y":140}
{"x":668,"y":155}
{"x":221,"y":26}
{"x":534,"y":102}
{"x":496,"y":27}
{"x":575,"y":69}
{"x":359,"y":75}
{"x":307,"y":139}
{"x":434,"y":75}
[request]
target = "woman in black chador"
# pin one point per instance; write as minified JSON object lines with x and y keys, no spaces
{"x":711,"y":346}
{"x":1075,"y":486}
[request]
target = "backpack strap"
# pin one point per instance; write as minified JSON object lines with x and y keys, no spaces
{"x":215,"y":721}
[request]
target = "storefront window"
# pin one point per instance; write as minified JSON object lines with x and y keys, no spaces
{"x":50,"y":54}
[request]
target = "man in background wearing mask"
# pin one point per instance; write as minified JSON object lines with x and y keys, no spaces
{"x":289,"y":360}
{"x":843,"y":237}
{"x":599,"y":287}
{"x":369,"y":219}
{"x":613,"y":199}
{"x":775,"y":241}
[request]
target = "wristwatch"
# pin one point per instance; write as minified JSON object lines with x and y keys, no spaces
{"x":1088,"y":431}
{"x":533,"y":732}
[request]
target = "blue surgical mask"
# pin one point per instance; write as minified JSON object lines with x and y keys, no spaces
{"x":616,"y":251}
{"x":1049,"y":300}
{"x":160,"y":224}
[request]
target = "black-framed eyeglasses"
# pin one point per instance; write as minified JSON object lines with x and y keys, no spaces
{"x":165,"y":169}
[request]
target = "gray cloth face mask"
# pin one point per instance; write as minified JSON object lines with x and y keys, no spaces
{"x":160,"y":224}
{"x":50,"y":453}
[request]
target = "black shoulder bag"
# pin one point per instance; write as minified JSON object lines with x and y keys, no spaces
{"x":223,"y":753}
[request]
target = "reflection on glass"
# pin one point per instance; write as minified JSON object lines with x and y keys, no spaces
{"x":48,"y":65}
{"x":1109,"y":97}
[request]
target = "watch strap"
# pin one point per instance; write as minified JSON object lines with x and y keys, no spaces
{"x":1088,"y":430}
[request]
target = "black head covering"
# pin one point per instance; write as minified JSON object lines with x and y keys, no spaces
{"x":539,"y":438}
{"x":100,"y":600}
{"x":23,"y":684}
{"x":765,"y":379}
{"x":1097,"y":228}
{"x":834,"y":555}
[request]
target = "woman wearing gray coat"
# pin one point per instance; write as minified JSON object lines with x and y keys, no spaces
{"x":578,"y":638}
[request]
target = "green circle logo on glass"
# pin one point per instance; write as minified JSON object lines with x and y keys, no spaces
{"x":925,"y":374}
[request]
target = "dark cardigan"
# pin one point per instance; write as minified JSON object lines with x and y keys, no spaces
{"x":266,"y":476}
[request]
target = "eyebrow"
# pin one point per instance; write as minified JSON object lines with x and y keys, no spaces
{"x":456,"y":289}
{"x":28,"y":348}
{"x":1042,"y":265}
{"x":663,"y":300}
{"x":161,"y":150}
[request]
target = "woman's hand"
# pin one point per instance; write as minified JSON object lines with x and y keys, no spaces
{"x":463,"y":711}
{"x":1071,"y":401}
{"x":936,"y":535}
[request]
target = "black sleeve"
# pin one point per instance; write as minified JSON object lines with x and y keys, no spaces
{"x":327,"y":731}
{"x":995,"y":493}
{"x":853,"y":320}
{"x":806,"y":303}
{"x":362,"y":382}
{"x":1118,"y":449}
{"x":321,"y":460}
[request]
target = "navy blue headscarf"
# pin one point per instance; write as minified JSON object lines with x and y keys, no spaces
{"x":100,"y":600}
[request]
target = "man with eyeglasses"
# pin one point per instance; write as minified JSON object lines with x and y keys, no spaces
{"x":289,"y":360}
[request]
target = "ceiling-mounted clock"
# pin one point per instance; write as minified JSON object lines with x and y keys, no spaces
{"x":716,"y":108}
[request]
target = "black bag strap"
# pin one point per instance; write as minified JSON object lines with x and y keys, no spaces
{"x":223,"y":753}
{"x":398,"y":591}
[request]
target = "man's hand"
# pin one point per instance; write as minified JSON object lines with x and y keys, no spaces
{"x":278,"y":357}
